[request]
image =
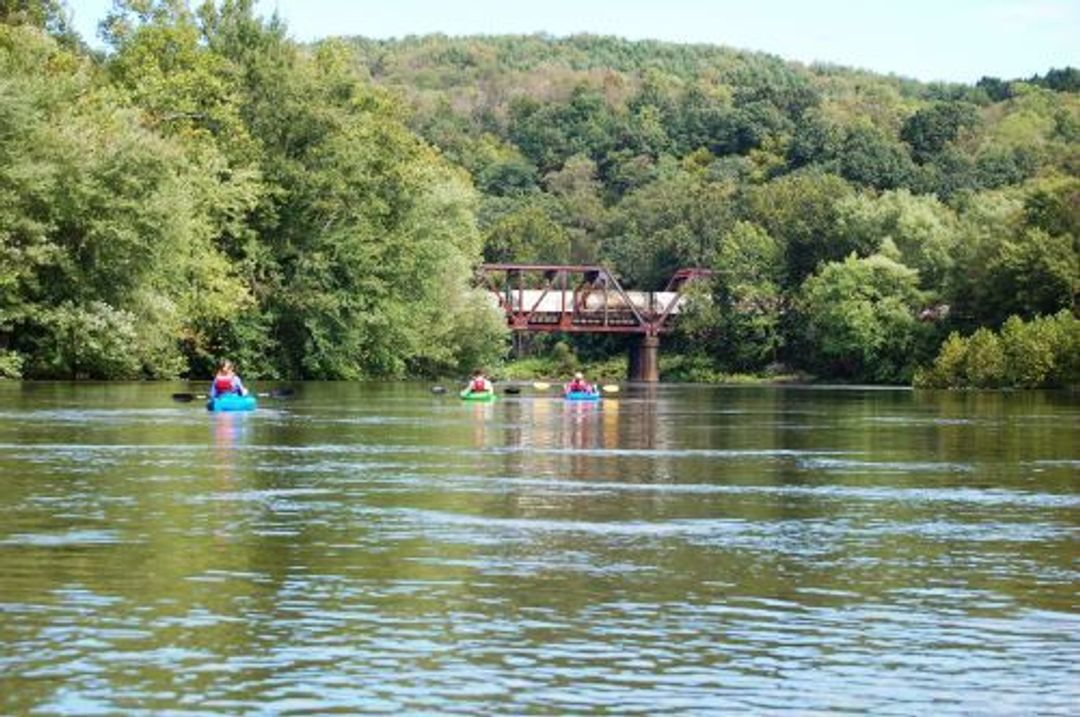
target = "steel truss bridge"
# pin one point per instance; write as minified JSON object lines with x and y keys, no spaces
{"x":588,"y":299}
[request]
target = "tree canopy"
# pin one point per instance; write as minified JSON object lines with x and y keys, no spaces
{"x":207,"y":186}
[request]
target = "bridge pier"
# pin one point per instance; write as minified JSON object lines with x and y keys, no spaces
{"x":645,"y":360}
{"x":559,"y":298}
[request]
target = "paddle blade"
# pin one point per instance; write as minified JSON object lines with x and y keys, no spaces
{"x":183,"y":397}
{"x":611,"y":388}
{"x":279,"y":393}
{"x":512,"y":389}
{"x":541,"y":386}
{"x":438,"y":389}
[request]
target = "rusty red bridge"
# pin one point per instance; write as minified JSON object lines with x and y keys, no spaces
{"x":588,"y":299}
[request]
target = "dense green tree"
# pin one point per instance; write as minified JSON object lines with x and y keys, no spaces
{"x":984,"y":360}
{"x":869,"y":158}
{"x":922,"y":229}
{"x":929,"y":130}
{"x":1064,"y":79}
{"x":801,"y":211}
{"x":986,"y":223}
{"x":995,"y":168}
{"x":186,"y":90}
{"x":816,"y":140}
{"x":676,"y":221}
{"x":498,"y":169}
{"x":1053,"y":205}
{"x":1004,"y":266}
{"x":524,"y":232}
{"x":646,"y":132}
{"x":52,"y":16}
{"x":1029,"y":352}
{"x":551,"y":134}
{"x":361,"y":236}
{"x":1034,"y":273}
{"x":576,"y":188}
{"x":995,"y":88}
{"x":859,"y":319}
{"x":1042,"y":353}
{"x":766,"y":79}
{"x":747,"y":294}
{"x":100,"y":212}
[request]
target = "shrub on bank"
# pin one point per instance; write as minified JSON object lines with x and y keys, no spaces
{"x":10,"y":365}
{"x":1041,"y":353}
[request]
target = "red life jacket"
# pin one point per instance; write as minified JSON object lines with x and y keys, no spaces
{"x":479,"y":384}
{"x":223,"y":384}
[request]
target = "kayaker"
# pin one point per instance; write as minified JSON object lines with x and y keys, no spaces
{"x":479,"y":382}
{"x":226,"y":381}
{"x":578,"y":385}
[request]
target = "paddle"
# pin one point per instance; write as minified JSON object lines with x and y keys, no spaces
{"x":275,"y":393}
{"x":541,"y":386}
{"x":512,"y":389}
{"x":610,"y":388}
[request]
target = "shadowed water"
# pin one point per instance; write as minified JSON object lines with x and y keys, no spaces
{"x":380,"y":548}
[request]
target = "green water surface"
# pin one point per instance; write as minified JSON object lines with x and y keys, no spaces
{"x":367,"y":548}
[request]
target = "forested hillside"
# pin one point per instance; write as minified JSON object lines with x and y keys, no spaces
{"x":853,"y":220}
{"x":208,"y":187}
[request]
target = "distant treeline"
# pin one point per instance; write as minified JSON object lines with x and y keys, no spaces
{"x":1064,"y":80}
{"x":208,"y":187}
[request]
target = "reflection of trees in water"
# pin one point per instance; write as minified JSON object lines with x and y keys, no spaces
{"x":229,"y":433}
{"x":580,"y":434}
{"x":645,"y":424}
{"x":482,"y":414}
{"x":1008,"y":425}
{"x":229,"y":429}
{"x":515,"y":434}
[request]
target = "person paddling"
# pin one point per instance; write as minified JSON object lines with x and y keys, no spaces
{"x":578,"y":385}
{"x":479,"y":383}
{"x":226,"y":381}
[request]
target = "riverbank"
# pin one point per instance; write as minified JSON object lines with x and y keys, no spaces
{"x":674,"y":369}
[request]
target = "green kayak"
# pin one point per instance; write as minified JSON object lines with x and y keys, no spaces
{"x":468,"y":395}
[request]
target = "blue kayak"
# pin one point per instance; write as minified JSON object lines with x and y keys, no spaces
{"x":232,"y":402}
{"x":582,"y":395}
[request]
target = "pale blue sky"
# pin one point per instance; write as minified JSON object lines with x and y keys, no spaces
{"x":954,"y":40}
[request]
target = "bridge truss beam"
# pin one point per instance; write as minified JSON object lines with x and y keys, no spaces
{"x":581,"y":299}
{"x":587,"y":299}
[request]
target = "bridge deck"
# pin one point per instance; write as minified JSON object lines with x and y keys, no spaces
{"x":585,"y":299}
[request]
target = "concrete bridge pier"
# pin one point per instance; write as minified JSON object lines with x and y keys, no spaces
{"x":645,"y":360}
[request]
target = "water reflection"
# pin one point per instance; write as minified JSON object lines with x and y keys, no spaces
{"x":691,"y":550}
{"x":230,"y":430}
{"x":482,"y":416}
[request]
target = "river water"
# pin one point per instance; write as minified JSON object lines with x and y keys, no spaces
{"x":379,"y":548}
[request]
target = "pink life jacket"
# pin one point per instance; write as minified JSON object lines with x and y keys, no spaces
{"x":223,"y":385}
{"x":479,"y":384}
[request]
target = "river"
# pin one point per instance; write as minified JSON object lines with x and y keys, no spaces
{"x":380,"y":548}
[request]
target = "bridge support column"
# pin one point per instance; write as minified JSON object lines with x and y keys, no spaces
{"x":645,"y":360}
